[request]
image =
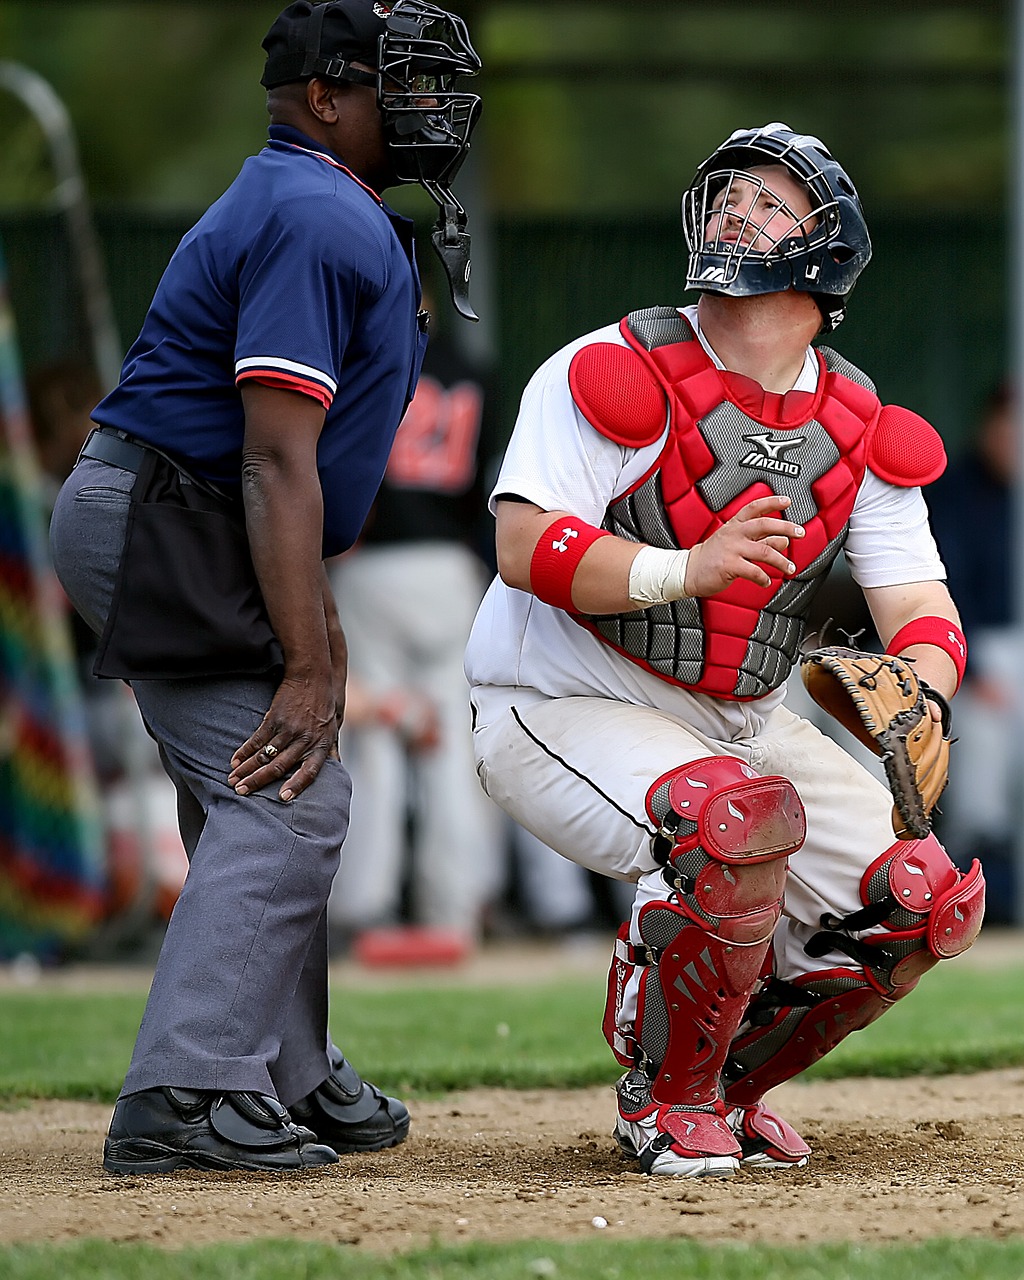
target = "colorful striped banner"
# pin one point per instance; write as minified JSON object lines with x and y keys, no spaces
{"x":52,"y":847}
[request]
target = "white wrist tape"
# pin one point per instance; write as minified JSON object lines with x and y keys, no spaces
{"x":657,"y":576}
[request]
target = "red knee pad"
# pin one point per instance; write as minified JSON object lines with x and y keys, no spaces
{"x":932,"y":912}
{"x":733,"y":813}
{"x":724,"y":834}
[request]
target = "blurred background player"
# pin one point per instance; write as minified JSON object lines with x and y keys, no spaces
{"x":675,"y":489}
{"x":408,"y":592}
{"x":972,"y":514}
{"x":430,"y":862}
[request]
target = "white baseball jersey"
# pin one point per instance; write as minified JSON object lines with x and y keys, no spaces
{"x":558,"y":461}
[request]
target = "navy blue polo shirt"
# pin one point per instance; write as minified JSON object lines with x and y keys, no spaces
{"x":298,"y":276}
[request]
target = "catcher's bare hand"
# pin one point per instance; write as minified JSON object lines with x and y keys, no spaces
{"x":749,"y":544}
{"x":298,"y":733}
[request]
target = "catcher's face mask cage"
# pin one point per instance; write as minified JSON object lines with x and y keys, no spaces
{"x":758,"y":249}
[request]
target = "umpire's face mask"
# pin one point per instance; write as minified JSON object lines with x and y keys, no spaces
{"x":427,"y":125}
{"x":423,"y":53}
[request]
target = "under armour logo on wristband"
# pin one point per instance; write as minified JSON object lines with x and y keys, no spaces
{"x":551,"y":570}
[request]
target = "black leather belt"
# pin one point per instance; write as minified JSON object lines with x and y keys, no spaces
{"x":107,"y":446}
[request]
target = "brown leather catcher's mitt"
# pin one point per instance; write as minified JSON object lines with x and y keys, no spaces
{"x":882,"y":703}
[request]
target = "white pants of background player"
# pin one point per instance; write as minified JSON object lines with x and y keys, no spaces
{"x":981,"y":803}
{"x":407,"y":609}
{"x":583,"y":792}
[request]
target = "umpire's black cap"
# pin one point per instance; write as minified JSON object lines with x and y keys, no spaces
{"x":306,"y":39}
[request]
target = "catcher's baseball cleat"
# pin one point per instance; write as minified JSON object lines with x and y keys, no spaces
{"x":766,"y":1140}
{"x":349,"y":1114}
{"x":672,"y":1141}
{"x":160,"y":1130}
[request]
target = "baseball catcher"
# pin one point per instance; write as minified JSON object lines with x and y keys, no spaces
{"x":676,"y":488}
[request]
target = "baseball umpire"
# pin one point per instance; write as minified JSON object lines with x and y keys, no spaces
{"x":675,"y":490}
{"x":244,"y":444}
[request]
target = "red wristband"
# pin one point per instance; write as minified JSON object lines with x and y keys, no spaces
{"x":556,"y":558}
{"x":942,"y":633}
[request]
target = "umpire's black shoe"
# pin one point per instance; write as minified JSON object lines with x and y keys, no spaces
{"x":351,"y":1115}
{"x":159,"y":1130}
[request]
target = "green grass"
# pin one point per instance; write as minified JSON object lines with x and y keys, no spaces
{"x":589,"y":1260}
{"x":957,"y":1019}
{"x":424,"y":1041}
{"x":419,"y":1040}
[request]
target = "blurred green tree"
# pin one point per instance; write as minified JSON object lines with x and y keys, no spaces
{"x":589,"y":105}
{"x":595,"y":115}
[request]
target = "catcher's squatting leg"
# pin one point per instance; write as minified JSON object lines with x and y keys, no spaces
{"x":691,"y":961}
{"x":921,"y":910}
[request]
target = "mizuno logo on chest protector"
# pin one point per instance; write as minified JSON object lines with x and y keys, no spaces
{"x":767,"y":453}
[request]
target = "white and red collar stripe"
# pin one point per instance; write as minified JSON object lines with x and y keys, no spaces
{"x":335,"y":164}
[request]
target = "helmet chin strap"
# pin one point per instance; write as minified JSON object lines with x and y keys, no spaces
{"x":451,"y":244}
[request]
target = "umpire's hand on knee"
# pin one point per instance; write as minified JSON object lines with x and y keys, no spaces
{"x":298,"y":733}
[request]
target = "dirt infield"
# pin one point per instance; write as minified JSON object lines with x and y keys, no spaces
{"x":893,"y":1160}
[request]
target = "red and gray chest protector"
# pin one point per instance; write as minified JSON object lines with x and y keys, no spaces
{"x":729,"y":442}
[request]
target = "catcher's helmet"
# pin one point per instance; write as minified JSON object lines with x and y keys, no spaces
{"x":823,"y":261}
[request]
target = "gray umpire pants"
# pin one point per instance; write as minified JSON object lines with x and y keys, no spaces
{"x":239,"y":996}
